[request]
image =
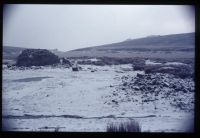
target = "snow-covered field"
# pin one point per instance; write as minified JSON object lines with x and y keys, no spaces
{"x":57,"y":99}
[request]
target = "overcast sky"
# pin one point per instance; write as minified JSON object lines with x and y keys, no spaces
{"x":68,"y":27}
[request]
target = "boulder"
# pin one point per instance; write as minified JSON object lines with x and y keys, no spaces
{"x":140,"y":75}
{"x":154,"y":82}
{"x":74,"y":69}
{"x":114,"y":101}
{"x":125,"y":84}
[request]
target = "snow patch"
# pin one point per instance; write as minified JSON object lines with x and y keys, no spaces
{"x":148,"y":62}
{"x":174,"y":63}
{"x":94,"y":59}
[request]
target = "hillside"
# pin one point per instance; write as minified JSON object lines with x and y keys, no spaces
{"x":166,"y":42}
{"x":153,"y":46}
{"x":11,"y":53}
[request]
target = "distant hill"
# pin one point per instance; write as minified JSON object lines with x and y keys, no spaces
{"x":11,"y":53}
{"x":151,"y":45}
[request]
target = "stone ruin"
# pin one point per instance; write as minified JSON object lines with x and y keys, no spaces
{"x":36,"y":57}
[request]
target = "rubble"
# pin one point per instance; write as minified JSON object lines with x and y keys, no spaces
{"x":159,"y":86}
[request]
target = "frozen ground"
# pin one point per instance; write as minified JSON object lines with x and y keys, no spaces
{"x":57,"y":99}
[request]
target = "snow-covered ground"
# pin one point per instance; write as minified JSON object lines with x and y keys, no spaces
{"x":50,"y":99}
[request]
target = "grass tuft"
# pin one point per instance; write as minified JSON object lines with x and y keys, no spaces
{"x":129,"y":126}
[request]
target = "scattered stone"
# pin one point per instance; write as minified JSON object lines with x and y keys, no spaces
{"x":114,"y":101}
{"x":153,"y":82}
{"x":114,"y":94}
{"x":166,"y":84}
{"x":125,"y":84}
{"x":140,"y":75}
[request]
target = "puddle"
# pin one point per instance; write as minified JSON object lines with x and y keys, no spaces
{"x":31,"y":79}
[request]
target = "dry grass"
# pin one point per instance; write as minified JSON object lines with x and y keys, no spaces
{"x":129,"y":126}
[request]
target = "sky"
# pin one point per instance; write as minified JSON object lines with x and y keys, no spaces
{"x":68,"y":27}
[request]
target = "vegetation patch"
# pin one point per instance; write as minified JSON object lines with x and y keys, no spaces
{"x":129,"y":126}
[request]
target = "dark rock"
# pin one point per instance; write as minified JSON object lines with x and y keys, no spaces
{"x":174,"y":86}
{"x":148,"y":77}
{"x":136,"y":82}
{"x":185,"y":90}
{"x":125,"y":84}
{"x":149,"y":88}
{"x":115,"y":94}
{"x":124,"y":77}
{"x":128,"y":100}
{"x":145,"y":100}
{"x":154,"y":82}
{"x":9,"y":66}
{"x":114,"y":101}
{"x":21,"y":68}
{"x":74,"y":69}
{"x":178,"y":88}
{"x":123,"y":88}
{"x":143,"y":88}
{"x":140,"y":75}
